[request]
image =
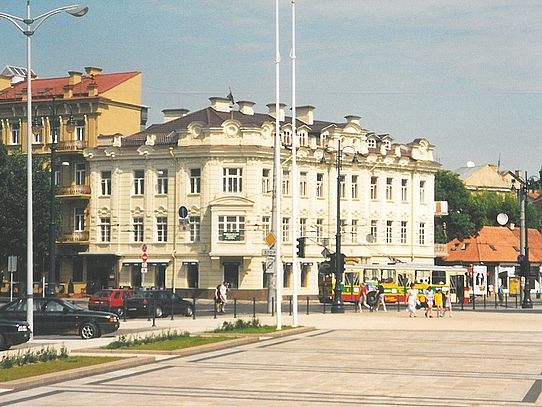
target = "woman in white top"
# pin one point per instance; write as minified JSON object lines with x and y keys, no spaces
{"x":412,"y":300}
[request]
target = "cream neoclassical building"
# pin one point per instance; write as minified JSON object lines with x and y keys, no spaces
{"x":218,"y":164}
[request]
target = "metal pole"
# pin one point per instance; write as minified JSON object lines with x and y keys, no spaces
{"x":526,"y":303}
{"x":51,"y":292}
{"x":338,"y":306}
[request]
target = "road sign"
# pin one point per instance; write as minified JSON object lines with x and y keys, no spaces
{"x":270,"y":265}
{"x":143,"y":269}
{"x":269,"y":252}
{"x":270,"y":239}
{"x":144,"y":257}
{"x":12,"y":264}
{"x":143,"y":247}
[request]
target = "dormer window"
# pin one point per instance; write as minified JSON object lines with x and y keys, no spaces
{"x":387,"y":144}
{"x":371,"y":143}
{"x":287,"y":138}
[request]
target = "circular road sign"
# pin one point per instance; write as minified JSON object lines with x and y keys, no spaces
{"x":144,"y":257}
{"x":143,"y":247}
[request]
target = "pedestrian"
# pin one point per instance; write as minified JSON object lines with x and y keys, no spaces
{"x":380,"y":300}
{"x":363,"y":296}
{"x":500,"y":293}
{"x":412,"y":301}
{"x":438,"y":303}
{"x":447,"y":303}
{"x":429,"y":297}
{"x":221,"y":297}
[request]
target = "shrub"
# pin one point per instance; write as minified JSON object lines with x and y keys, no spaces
{"x":126,"y":342}
{"x":33,"y":356}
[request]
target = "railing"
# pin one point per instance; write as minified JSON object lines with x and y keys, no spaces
{"x":71,"y":145}
{"x":74,"y":190}
{"x":441,"y":250}
{"x":75,"y":237}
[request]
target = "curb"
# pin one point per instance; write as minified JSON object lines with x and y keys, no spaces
{"x":71,"y":374}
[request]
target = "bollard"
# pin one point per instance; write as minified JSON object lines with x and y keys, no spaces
{"x":484,"y":301}
{"x":193,"y":307}
{"x":496,"y":301}
{"x":307,"y":305}
{"x":290,"y":305}
{"x":272,"y":306}
{"x":124,"y":296}
{"x":462,"y":302}
{"x":153,"y":309}
{"x":516,"y":297}
{"x":324,"y":302}
{"x":214,"y":308}
{"x":473,"y":301}
{"x":505,"y":300}
{"x":398,"y":305}
{"x":148,"y":311}
{"x":253,"y":307}
{"x":235,"y":307}
{"x":356,"y":306}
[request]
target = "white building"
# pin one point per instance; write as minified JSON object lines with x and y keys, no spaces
{"x":218,"y":163}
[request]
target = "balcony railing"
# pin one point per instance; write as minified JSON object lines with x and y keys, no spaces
{"x":75,"y":237}
{"x":441,"y":250}
{"x":71,"y":145}
{"x":73,"y":190}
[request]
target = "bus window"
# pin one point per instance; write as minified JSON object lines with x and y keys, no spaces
{"x":422,"y":276}
{"x":388,"y":276}
{"x":403,"y":280}
{"x":371,"y":274}
{"x":438,"y":277}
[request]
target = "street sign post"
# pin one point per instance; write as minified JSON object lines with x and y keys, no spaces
{"x":269,"y":252}
{"x":270,"y":265}
{"x":12,"y":268}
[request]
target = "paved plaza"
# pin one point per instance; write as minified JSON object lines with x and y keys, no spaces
{"x":373,"y":359}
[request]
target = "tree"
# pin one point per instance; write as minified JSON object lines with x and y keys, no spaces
{"x":13,"y":216}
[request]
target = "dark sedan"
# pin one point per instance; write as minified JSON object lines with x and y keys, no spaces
{"x":13,"y":333}
{"x":55,"y":316}
{"x":142,"y":303}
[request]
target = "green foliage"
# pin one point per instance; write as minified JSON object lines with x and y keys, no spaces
{"x":238,"y":325}
{"x":128,"y":341}
{"x":31,"y":357}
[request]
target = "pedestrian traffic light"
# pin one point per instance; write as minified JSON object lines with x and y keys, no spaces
{"x":301,"y":246}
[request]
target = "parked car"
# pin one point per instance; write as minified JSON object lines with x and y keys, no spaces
{"x":13,"y":333}
{"x":56,"y":316}
{"x":141,"y":303}
{"x":111,"y":300}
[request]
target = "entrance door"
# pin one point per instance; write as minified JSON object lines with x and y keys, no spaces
{"x":231,"y":274}
{"x":136,"y":275}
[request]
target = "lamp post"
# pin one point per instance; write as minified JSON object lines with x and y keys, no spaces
{"x":338,"y":306}
{"x":523,"y":257}
{"x":28,"y":26}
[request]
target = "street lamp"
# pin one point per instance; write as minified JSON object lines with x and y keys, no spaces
{"x":28,"y":26}
{"x":37,"y":126}
{"x":338,"y":305}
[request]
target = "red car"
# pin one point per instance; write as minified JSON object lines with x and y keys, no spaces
{"x":111,"y":300}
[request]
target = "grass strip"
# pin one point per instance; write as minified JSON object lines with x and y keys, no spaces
{"x":180,"y":342}
{"x":264,"y":329}
{"x":58,"y":365}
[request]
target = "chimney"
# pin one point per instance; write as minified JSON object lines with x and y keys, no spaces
{"x":246,"y":107}
{"x":93,"y":71}
{"x":305,"y":114}
{"x":353,"y":119}
{"x":220,"y":104}
{"x":92,"y":89}
{"x":5,"y":82}
{"x":75,"y":77}
{"x":173,"y":114}
{"x":68,"y":91}
{"x":271,"y":112}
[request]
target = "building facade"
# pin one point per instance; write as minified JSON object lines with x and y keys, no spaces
{"x":86,"y":105}
{"x":217,"y":163}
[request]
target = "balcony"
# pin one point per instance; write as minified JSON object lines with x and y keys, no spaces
{"x":441,"y":250}
{"x":71,"y":145}
{"x":74,"y":191}
{"x":75,"y":237}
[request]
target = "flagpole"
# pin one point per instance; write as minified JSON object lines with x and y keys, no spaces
{"x":295,"y":186}
{"x":277,"y":169}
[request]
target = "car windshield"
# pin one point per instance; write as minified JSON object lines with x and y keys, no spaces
{"x":103,"y":293}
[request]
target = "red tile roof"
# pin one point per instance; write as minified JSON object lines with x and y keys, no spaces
{"x":43,"y":89}
{"x":494,"y":244}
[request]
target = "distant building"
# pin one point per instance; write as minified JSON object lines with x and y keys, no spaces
{"x":486,"y":177}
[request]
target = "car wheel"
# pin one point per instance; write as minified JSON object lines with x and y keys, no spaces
{"x":120,"y":312}
{"x":158,"y":312}
{"x":88,"y":331}
{"x":3,"y":344}
{"x":188,"y":312}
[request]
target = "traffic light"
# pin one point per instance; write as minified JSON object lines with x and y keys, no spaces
{"x":301,"y":246}
{"x":523,"y":266}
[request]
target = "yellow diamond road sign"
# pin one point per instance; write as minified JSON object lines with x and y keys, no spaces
{"x":270,"y":239}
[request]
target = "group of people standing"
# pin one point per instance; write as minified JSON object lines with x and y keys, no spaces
{"x":371,"y":296}
{"x":433,"y":298}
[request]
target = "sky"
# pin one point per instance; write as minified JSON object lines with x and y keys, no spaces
{"x":465,"y":75}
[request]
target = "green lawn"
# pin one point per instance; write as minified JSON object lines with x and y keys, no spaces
{"x":180,"y":342}
{"x":265,"y":329}
{"x":58,"y":365}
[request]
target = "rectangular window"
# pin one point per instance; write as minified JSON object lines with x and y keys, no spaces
{"x":38,"y":137}
{"x":319,"y":185}
{"x":105,"y":183}
{"x":161,"y":229}
{"x":319,"y":229}
{"x":343,"y":226}
{"x":232,"y":180}
{"x":354,"y":186}
{"x":138,"y":229}
{"x":389,"y":189}
{"x":105,"y":229}
{"x":285,"y":182}
{"x":374,"y":188}
{"x":302,"y":226}
{"x":403,"y":231}
{"x":422,"y":191}
{"x":354,"y":230}
{"x":80,"y":131}
{"x":162,"y":182}
{"x":195,"y":180}
{"x":139,"y":182}
{"x":231,"y":228}
{"x":404,"y":190}
{"x":266,"y":181}
{"x":374,"y":230}
{"x":389,"y":231}
{"x":80,"y":174}
{"x":266,"y":225}
{"x":195,"y":228}
{"x":285,"y":229}
{"x":78,"y":219}
{"x":342,"y":186}
{"x":303,"y":184}
{"x":57,"y":176}
{"x":15,"y":133}
{"x":421,"y":233}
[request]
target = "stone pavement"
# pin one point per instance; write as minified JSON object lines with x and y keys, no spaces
{"x":376,"y":359}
